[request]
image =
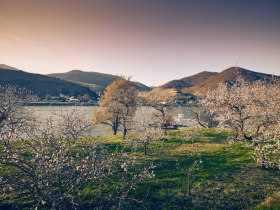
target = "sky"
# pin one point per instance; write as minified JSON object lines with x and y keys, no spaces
{"x":154,"y":41}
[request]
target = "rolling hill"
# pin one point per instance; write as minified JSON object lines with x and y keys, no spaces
{"x":77,"y":82}
{"x":3,"y":66}
{"x":189,"y":81}
{"x":41,"y":85}
{"x":199,"y":83}
{"x":94,"y":80}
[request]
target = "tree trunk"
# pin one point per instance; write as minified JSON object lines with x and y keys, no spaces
{"x":236,"y":134}
{"x":124,"y":133}
{"x":165,"y":130}
{"x":261,"y":158}
{"x":199,"y":121}
{"x":115,"y":131}
{"x":115,"y":125}
{"x":164,"y":126}
{"x":145,"y":148}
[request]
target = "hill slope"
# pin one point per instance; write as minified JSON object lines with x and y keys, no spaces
{"x":94,"y":80}
{"x":3,"y":66}
{"x":189,"y":81}
{"x":229,"y":76}
{"x":41,"y":85}
{"x":199,"y":83}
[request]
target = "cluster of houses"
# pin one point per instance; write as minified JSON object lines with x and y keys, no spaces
{"x":71,"y":99}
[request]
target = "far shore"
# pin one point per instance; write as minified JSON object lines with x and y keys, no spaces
{"x":61,"y":104}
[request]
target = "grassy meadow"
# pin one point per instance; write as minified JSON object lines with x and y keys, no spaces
{"x":194,"y":169}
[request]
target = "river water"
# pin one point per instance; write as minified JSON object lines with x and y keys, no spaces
{"x":42,"y":112}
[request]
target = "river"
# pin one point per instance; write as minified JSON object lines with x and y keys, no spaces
{"x":42,"y":112}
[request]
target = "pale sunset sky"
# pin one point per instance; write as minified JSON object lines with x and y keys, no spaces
{"x":155,"y":41}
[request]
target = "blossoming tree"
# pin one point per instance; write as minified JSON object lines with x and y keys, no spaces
{"x":253,"y":111}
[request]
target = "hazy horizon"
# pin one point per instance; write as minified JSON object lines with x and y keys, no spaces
{"x":153,"y":41}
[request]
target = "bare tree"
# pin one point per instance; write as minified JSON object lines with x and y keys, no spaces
{"x":58,"y":169}
{"x":146,"y":130}
{"x":193,"y":158}
{"x":162,"y":101}
{"x":117,"y":106}
{"x":73,"y":123}
{"x":12,"y":114}
{"x":51,"y":165}
{"x":52,"y":169}
{"x":253,"y":111}
{"x":112,"y":119}
{"x":15,"y":120}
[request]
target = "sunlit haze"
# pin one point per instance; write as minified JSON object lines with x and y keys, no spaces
{"x":153,"y":41}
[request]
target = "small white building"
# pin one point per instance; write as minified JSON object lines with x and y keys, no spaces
{"x":73,"y":99}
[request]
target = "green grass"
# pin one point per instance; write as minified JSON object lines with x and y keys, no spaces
{"x":227,"y":178}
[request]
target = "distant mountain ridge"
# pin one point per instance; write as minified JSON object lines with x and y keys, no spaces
{"x":77,"y":82}
{"x":199,"y":83}
{"x":74,"y":83}
{"x":41,"y":85}
{"x":94,"y":80}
